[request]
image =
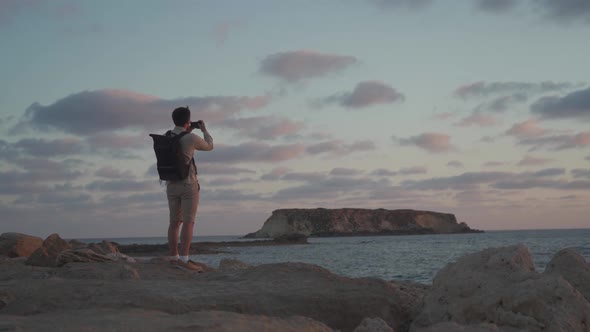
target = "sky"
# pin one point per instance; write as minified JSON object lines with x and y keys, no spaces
{"x":480,"y":108}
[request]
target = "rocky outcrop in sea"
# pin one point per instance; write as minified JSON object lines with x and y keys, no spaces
{"x":358,"y":222}
{"x":497,"y":289}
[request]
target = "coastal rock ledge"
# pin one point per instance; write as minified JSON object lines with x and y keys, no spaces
{"x":358,"y":222}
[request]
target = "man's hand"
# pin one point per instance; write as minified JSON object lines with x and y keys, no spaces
{"x":202,"y":125}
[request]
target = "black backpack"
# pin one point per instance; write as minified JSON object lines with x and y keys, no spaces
{"x":171,"y":166}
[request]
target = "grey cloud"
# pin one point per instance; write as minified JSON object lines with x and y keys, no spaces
{"x":431,"y":142}
{"x":533,"y":161}
{"x":502,"y":103}
{"x":275,"y":173}
{"x":341,"y":171}
{"x":494,"y":163}
{"x":329,"y":188}
{"x":549,"y":172}
{"x":90,"y":112}
{"x":253,"y":152}
{"x":557,"y":142}
{"x":410,"y":4}
{"x":113,"y":173}
{"x":542,"y":183}
{"x":587,"y":158}
{"x":496,"y":6}
{"x":383,"y":172}
{"x":575,"y":105}
{"x":338,"y":147}
{"x":517,"y":90}
{"x":216,"y":169}
{"x":465,"y":181}
{"x":14,"y":183}
{"x":581,"y":173}
{"x":478,"y":119}
{"x":413,"y":170}
{"x":232,"y":195}
{"x":455,"y":164}
{"x":295,"y":66}
{"x":565,"y":10}
{"x":264,"y":127}
{"x":63,"y":198}
{"x":49,"y":147}
{"x":121,"y":185}
{"x":311,"y":177}
{"x":365,"y":94}
{"x":225,"y":181}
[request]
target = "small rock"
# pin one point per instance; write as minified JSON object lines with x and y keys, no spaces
{"x":47,"y":254}
{"x":129,"y":273}
{"x":373,"y":325}
{"x":5,"y":299}
{"x":18,"y":244}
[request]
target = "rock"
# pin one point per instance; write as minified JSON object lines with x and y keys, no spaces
{"x":348,"y":222}
{"x":500,"y":286}
{"x":75,"y":244}
{"x":569,"y":264}
{"x":277,"y":290}
{"x":104,"y":248}
{"x":121,"y":257}
{"x":19,"y":245}
{"x":373,"y":325}
{"x":138,"y":320}
{"x":454,"y":327}
{"x":228,"y":264}
{"x":5,"y":298}
{"x":80,"y":256}
{"x":52,"y":246}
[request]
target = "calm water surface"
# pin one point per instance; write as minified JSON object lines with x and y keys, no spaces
{"x":412,"y":258}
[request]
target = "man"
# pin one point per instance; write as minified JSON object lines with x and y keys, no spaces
{"x":183,"y":195}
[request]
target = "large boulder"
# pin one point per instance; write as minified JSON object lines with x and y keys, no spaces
{"x":569,"y":264}
{"x":19,"y":245}
{"x":500,"y":286}
{"x":139,"y":320}
{"x":47,"y":254}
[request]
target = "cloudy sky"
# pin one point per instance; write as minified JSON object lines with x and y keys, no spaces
{"x":480,"y":108}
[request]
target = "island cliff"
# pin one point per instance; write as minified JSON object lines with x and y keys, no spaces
{"x":358,"y":222}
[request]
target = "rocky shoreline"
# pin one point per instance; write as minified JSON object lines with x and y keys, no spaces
{"x":55,"y":285}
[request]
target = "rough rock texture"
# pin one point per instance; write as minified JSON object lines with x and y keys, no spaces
{"x":140,"y":320}
{"x":277,"y":290}
{"x":572,"y":267}
{"x":500,"y":287}
{"x":47,"y":254}
{"x":346,"y":222}
{"x":373,"y":325}
{"x":228,"y":264}
{"x":79,"y":256}
{"x":454,"y":327}
{"x":19,"y":245}
{"x":104,"y":248}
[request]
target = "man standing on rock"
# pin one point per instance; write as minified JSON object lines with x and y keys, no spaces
{"x":183,"y":195}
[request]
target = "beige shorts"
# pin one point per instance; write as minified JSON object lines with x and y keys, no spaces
{"x":183,"y":200}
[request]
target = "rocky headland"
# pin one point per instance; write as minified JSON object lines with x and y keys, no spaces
{"x":68,"y":286}
{"x":358,"y":222}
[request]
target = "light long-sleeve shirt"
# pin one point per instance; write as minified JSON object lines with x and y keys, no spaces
{"x":189,"y":144}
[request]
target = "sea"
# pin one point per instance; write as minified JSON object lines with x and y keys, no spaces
{"x":414,"y":258}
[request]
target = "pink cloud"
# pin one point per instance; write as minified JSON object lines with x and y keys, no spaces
{"x":298,"y":65}
{"x":338,"y":147}
{"x":431,"y":142}
{"x":478,"y":119}
{"x":534,"y":161}
{"x":444,"y":115}
{"x":276,"y":173}
{"x":529,"y":128}
{"x":223,"y":29}
{"x":252,"y":152}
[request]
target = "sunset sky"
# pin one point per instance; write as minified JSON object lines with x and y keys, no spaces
{"x":480,"y":108}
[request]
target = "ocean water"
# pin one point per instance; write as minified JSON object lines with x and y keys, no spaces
{"x":410,"y":258}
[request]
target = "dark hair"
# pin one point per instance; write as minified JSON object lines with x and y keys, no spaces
{"x":181,"y":115}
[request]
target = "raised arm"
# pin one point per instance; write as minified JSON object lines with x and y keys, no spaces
{"x":205,"y":144}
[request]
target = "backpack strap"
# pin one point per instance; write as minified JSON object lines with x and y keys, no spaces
{"x":178,"y":137}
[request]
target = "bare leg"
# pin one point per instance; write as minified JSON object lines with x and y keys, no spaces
{"x":173,"y":237}
{"x":186,"y":237}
